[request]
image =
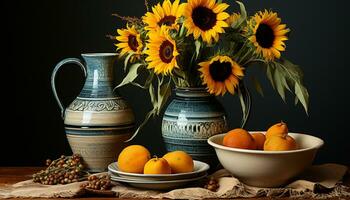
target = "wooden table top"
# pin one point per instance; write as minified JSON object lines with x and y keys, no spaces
{"x":11,"y":175}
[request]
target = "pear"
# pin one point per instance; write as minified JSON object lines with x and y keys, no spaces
{"x":279,"y":129}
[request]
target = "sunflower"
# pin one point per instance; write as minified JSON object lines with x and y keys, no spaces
{"x":205,"y":18}
{"x":268,"y":34}
{"x":166,"y":14}
{"x":129,"y":41}
{"x":220,"y":74}
{"x":233,"y":18}
{"x":161,"y":51}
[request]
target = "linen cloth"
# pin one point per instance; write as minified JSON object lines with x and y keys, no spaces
{"x":319,"y":181}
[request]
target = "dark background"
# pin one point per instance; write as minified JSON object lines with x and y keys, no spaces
{"x":40,"y":33}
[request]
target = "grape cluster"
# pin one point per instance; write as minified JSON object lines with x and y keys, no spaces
{"x":95,"y":182}
{"x":212,"y":185}
{"x":64,"y":170}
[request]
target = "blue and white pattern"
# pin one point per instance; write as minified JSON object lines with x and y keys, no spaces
{"x":98,"y":121}
{"x":190,"y":119}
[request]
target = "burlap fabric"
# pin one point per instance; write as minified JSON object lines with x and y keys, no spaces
{"x":319,"y":181}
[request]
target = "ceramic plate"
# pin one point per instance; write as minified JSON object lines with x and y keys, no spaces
{"x":157,"y":185}
{"x":200,"y":169}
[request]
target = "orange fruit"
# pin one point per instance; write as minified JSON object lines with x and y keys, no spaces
{"x":179,"y":161}
{"x":133,"y":159}
{"x":239,"y":138}
{"x":279,"y":129}
{"x":157,"y":166}
{"x":259,"y":140}
{"x":279,"y":143}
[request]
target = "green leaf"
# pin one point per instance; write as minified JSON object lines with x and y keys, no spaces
{"x":146,"y":84}
{"x":243,"y":14}
{"x":285,"y":84}
{"x":137,"y":85}
{"x":270,"y":68}
{"x":284,"y":75}
{"x":243,"y":10}
{"x":127,"y":58}
{"x":182,"y":31}
{"x":303,"y":95}
{"x":257,"y":86}
{"x":163,"y":95}
{"x":160,"y":82}
{"x":296,"y":100}
{"x":295,"y":69}
{"x":241,"y":100}
{"x":149,"y":79}
{"x":245,"y":100}
{"x":131,"y":76}
{"x":278,"y":80}
{"x":197,"y":43}
{"x":152,"y":95}
{"x":179,"y":73}
{"x":148,"y":116}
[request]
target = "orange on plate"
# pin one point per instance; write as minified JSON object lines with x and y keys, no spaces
{"x":179,"y":161}
{"x":133,"y":159}
{"x":157,"y":166}
{"x":239,"y":138}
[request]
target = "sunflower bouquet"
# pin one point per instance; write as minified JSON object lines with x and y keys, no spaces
{"x":198,"y":43}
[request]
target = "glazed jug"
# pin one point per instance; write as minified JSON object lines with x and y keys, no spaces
{"x":99,"y":120}
{"x":190,"y":119}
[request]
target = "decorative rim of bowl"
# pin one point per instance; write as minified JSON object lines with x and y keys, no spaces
{"x":317,"y":146}
{"x":158,"y":182}
{"x":205,"y":167}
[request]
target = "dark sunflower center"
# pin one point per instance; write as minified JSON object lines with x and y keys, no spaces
{"x":220,"y":71}
{"x":132,"y":42}
{"x":265,"y":36}
{"x":166,"y":51}
{"x":204,"y":18}
{"x":167,"y":20}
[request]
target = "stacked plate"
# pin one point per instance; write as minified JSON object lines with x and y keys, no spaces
{"x":159,"y":181}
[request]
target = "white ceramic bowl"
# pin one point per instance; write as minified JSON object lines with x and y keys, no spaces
{"x":267,"y":168}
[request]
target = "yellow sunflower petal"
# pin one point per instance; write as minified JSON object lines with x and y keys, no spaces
{"x":135,"y":45}
{"x":222,"y":16}
{"x":167,"y":7}
{"x":268,"y":48}
{"x":215,"y":13}
{"x":229,"y":86}
{"x":160,"y":63}
{"x":219,"y":85}
{"x":220,"y":7}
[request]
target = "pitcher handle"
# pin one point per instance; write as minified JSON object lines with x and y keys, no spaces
{"x":53,"y":77}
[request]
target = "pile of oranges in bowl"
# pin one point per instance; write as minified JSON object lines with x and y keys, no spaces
{"x":275,"y":139}
{"x":265,"y":158}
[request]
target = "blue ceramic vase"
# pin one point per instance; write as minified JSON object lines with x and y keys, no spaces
{"x":98,"y":121}
{"x":190,"y":119}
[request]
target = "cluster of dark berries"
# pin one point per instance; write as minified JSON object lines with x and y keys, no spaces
{"x":64,"y":170}
{"x":95,"y":182}
{"x":212,"y":185}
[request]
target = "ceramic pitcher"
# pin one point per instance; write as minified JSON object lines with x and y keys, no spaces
{"x":99,"y":120}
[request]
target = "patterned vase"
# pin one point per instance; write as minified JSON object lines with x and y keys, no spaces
{"x":190,"y":119}
{"x":98,"y":121}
